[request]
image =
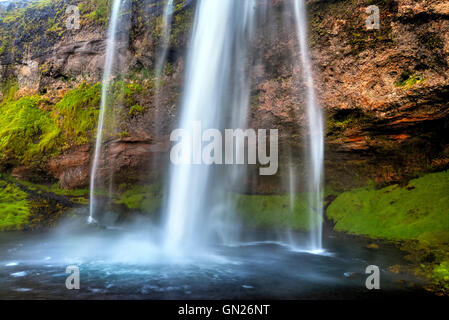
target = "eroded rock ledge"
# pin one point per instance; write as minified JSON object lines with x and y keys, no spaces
{"x":385,"y":92}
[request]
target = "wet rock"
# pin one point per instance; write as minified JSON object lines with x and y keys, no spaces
{"x":28,"y":77}
{"x":395,"y":269}
{"x":72,"y":169}
{"x":32,"y":174}
{"x":127,"y":159}
{"x":385,"y":94}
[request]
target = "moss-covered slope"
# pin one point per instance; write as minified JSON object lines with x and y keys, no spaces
{"x":416,"y":216}
{"x":33,"y":129}
{"x":275,"y":211}
{"x":418,"y":211}
{"x":26,"y":206}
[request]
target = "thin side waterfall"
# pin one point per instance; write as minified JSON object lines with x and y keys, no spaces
{"x":216,"y":96}
{"x":167,"y":20}
{"x":107,"y":73}
{"x":315,"y":145}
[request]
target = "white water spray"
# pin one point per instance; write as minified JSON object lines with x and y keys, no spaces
{"x":107,"y":73}
{"x":315,"y":152}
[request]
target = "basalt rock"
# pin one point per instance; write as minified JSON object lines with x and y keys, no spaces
{"x":72,"y":168}
{"x":127,"y":158}
{"x":384,"y":92}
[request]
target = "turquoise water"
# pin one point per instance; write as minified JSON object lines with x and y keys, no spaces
{"x":115,"y":264}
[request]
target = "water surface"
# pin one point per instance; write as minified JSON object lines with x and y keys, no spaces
{"x":117,"y":264}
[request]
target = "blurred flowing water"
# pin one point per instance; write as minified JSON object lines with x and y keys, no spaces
{"x":125,"y":264}
{"x":199,"y":250}
{"x":216,"y":94}
{"x":166,"y":29}
{"x":111,"y":66}
{"x":199,"y":209}
{"x":200,"y":232}
{"x":315,"y":145}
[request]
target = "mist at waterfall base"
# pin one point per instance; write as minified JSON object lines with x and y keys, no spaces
{"x":126,"y":264}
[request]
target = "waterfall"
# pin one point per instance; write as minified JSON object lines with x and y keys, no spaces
{"x":217,"y":94}
{"x":107,"y":73}
{"x":166,"y":29}
{"x":161,"y":62}
{"x":199,"y":207}
{"x":315,"y":151}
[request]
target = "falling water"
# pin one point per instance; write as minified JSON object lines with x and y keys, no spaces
{"x":199,"y":207}
{"x":166,"y":29}
{"x":315,"y":150}
{"x":109,"y":61}
{"x":216,"y":93}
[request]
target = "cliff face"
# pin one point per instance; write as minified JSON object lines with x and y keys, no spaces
{"x":385,"y":92}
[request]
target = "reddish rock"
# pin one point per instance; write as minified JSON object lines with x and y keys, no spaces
{"x":380,"y":125}
{"x":126,"y":160}
{"x":72,"y":168}
{"x":33,"y":174}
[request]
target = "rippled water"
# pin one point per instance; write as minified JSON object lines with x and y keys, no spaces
{"x":115,"y":264}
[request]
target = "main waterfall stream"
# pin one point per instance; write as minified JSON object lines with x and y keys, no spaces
{"x":216,"y":96}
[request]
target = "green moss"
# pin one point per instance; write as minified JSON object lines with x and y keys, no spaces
{"x":126,"y":92}
{"x":44,"y":20}
{"x":124,"y":134}
{"x":9,"y":90}
{"x":56,"y":189}
{"x":14,"y":207}
{"x":408,"y":79}
{"x":136,"y":110}
{"x":130,"y":91}
{"x":32,"y":130}
{"x":273,"y":211}
{"x":416,"y":215}
{"x":96,"y":11}
{"x":77,"y":113}
{"x":339,"y":122}
{"x":440,"y":277}
{"x":75,"y":195}
{"x":182,"y":22}
{"x":146,"y":199}
{"x":27,"y":133}
{"x":4,"y":44}
{"x":416,"y":211}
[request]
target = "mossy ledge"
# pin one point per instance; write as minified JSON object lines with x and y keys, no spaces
{"x":415,"y":216}
{"x":34,"y":129}
{"x":26,"y":206}
{"x":146,"y":199}
{"x":275,"y":211}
